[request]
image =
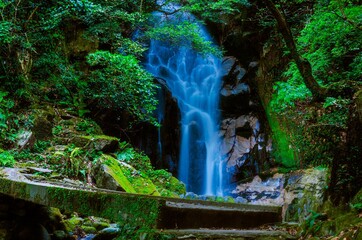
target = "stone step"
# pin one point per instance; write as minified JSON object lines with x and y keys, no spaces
{"x":195,"y":215}
{"x":228,"y":234}
{"x":140,"y":210}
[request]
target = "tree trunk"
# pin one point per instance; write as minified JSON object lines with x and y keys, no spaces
{"x":304,"y":67}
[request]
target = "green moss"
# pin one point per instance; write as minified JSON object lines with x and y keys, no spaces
{"x":164,"y":180}
{"x":97,"y":222}
{"x":131,"y":209}
{"x":285,"y":154}
{"x":72,"y":223}
{"x":96,"y":142}
{"x":114,"y":169}
{"x":346,"y":220}
{"x":89,"y":229}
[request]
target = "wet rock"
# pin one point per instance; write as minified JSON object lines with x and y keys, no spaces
{"x":108,"y":233}
{"x":232,"y":72}
{"x":229,"y":90}
{"x":261,"y":192}
{"x":299,"y":192}
{"x":25,"y":139}
{"x":235,"y":92}
{"x":97,"y":222}
{"x":253,"y":64}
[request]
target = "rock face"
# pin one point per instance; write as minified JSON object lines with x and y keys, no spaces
{"x":299,"y":192}
{"x":245,"y":143}
{"x":304,"y":193}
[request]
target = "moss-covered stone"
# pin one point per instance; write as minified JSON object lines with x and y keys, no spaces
{"x":169,"y":185}
{"x":96,"y":142}
{"x":72,"y":223}
{"x":43,"y":123}
{"x":108,"y":174}
{"x":88,"y":229}
{"x":112,"y":174}
{"x":97,"y":222}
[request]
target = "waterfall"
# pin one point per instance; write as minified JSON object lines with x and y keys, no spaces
{"x":160,"y":116}
{"x":194,"y":81}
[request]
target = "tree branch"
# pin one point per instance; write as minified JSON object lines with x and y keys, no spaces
{"x":304,"y":67}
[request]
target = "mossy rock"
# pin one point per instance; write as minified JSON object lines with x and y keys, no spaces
{"x":109,"y":175}
{"x":167,"y":193}
{"x":139,"y":180}
{"x":72,"y":223}
{"x":97,"y":142}
{"x":56,"y":218}
{"x":97,"y":222}
{"x":164,"y":180}
{"x":43,"y":123}
{"x":112,"y":174}
{"x":89,"y":229}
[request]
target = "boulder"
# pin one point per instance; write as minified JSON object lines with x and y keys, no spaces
{"x":43,"y":123}
{"x":25,"y":139}
{"x":239,"y":136}
{"x":300,"y":192}
{"x":304,"y":193}
{"x":112,"y":174}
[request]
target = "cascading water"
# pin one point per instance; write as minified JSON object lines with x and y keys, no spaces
{"x":194,"y":80}
{"x":160,"y":116}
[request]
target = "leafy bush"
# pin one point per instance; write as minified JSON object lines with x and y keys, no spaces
{"x":6,"y":131}
{"x":119,"y":82}
{"x":6,"y":159}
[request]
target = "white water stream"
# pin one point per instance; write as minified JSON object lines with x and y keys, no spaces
{"x":194,"y":80}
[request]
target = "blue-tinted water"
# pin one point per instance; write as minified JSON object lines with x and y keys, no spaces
{"x":194,"y":80}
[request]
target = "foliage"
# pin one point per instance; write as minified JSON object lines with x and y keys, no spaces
{"x":135,"y":158}
{"x":215,"y":10}
{"x":5,"y":114}
{"x":331,"y":42}
{"x":289,"y":92}
{"x":44,"y":44}
{"x":185,"y":33}
{"x":6,"y":159}
{"x":7,"y":119}
{"x":119,"y":82}
{"x":332,"y":45}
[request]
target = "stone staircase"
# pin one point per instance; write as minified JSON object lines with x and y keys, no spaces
{"x":212,"y":220}
{"x":181,"y":218}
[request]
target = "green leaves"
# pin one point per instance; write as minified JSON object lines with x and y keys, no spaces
{"x":214,"y":10}
{"x":333,"y":47}
{"x":119,"y":82}
{"x":183,"y":34}
{"x":5,"y":115}
{"x":6,"y":159}
{"x":5,"y":32}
